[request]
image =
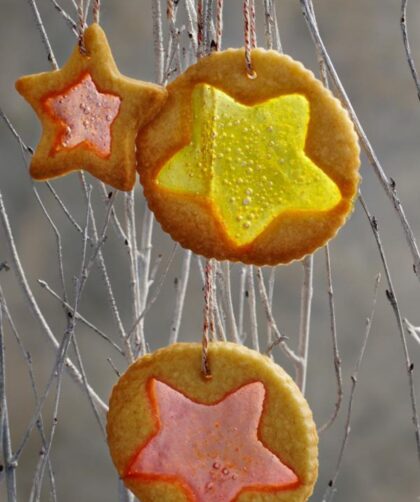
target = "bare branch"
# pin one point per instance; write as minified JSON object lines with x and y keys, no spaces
{"x":407,"y":47}
{"x":158,"y":40}
{"x":21,"y":277}
{"x":104,"y":272}
{"x":181,"y":287}
{"x":69,"y":20}
{"x":156,"y":293}
{"x":130,"y":219}
{"x":387,"y":184}
{"x":392,"y":298}
{"x":79,"y":317}
{"x":336,"y":353}
{"x":227,"y":296}
{"x":280,"y":340}
{"x":242,"y":294}
{"x":252,"y":304}
{"x":43,"y":33}
{"x":28,"y":360}
{"x":412,"y":330}
{"x":305,"y":321}
{"x":16,"y":135}
{"x":331,"y":490}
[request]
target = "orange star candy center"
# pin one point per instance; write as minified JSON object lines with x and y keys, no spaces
{"x":212,"y":451}
{"x":85,"y":116}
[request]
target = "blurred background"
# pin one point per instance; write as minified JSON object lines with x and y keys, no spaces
{"x":365,"y":43}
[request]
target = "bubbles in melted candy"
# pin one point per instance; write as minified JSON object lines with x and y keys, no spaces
{"x":250,"y":161}
{"x":86,"y":115}
{"x":214,"y":449}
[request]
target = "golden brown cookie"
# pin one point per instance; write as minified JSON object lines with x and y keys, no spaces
{"x":246,"y":434}
{"x":90,"y":115}
{"x":262,"y":170}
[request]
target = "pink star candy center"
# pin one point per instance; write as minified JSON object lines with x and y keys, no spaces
{"x":212,"y":451}
{"x":86,"y":116}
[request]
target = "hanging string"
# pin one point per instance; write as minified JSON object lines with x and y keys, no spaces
{"x":208,"y":331}
{"x":96,"y":9}
{"x":219,"y":24}
{"x":170,"y":14}
{"x":252,"y":25}
{"x":170,"y":11}
{"x":200,"y":28}
{"x":81,"y":25}
{"x":250,"y":36}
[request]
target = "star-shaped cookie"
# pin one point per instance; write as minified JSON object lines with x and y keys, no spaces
{"x":90,"y":115}
{"x":212,"y":451}
{"x":262,"y":170}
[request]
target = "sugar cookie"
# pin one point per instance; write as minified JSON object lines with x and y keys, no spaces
{"x":246,"y":434}
{"x":90,"y":115}
{"x":262,"y":170}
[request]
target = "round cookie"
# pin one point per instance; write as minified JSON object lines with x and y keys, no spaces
{"x":246,"y":434}
{"x":262,"y":170}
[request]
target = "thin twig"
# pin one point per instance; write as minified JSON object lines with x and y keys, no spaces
{"x":69,"y":20}
{"x":79,"y":317}
{"x":387,"y":184}
{"x":104,"y":272}
{"x":336,"y":353}
{"x":407,"y":47}
{"x":269,"y":23}
{"x":130,"y":218}
{"x":70,"y":337}
{"x":158,"y":40}
{"x":44,"y":37}
{"x":191,"y":26}
{"x":16,"y":135}
{"x":60,"y":362}
{"x":305,"y":321}
{"x":21,"y":277}
{"x":181,"y":285}
{"x":271,"y":283}
{"x":10,"y":465}
{"x":145,"y":258}
{"x":242,"y":294}
{"x":155,"y":296}
{"x":252,"y":304}
{"x":392,"y":298}
{"x":413,"y":331}
{"x":277,"y":45}
{"x":58,"y":243}
{"x":27,"y":357}
{"x":331,"y":490}
{"x":280,"y":340}
{"x":227,"y":295}
{"x":219,"y":313}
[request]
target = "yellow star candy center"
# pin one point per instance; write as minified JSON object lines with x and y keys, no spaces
{"x":249,"y":161}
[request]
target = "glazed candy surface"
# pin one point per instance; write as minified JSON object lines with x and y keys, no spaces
{"x":212,"y":450}
{"x":249,"y":161}
{"x":86,"y":116}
